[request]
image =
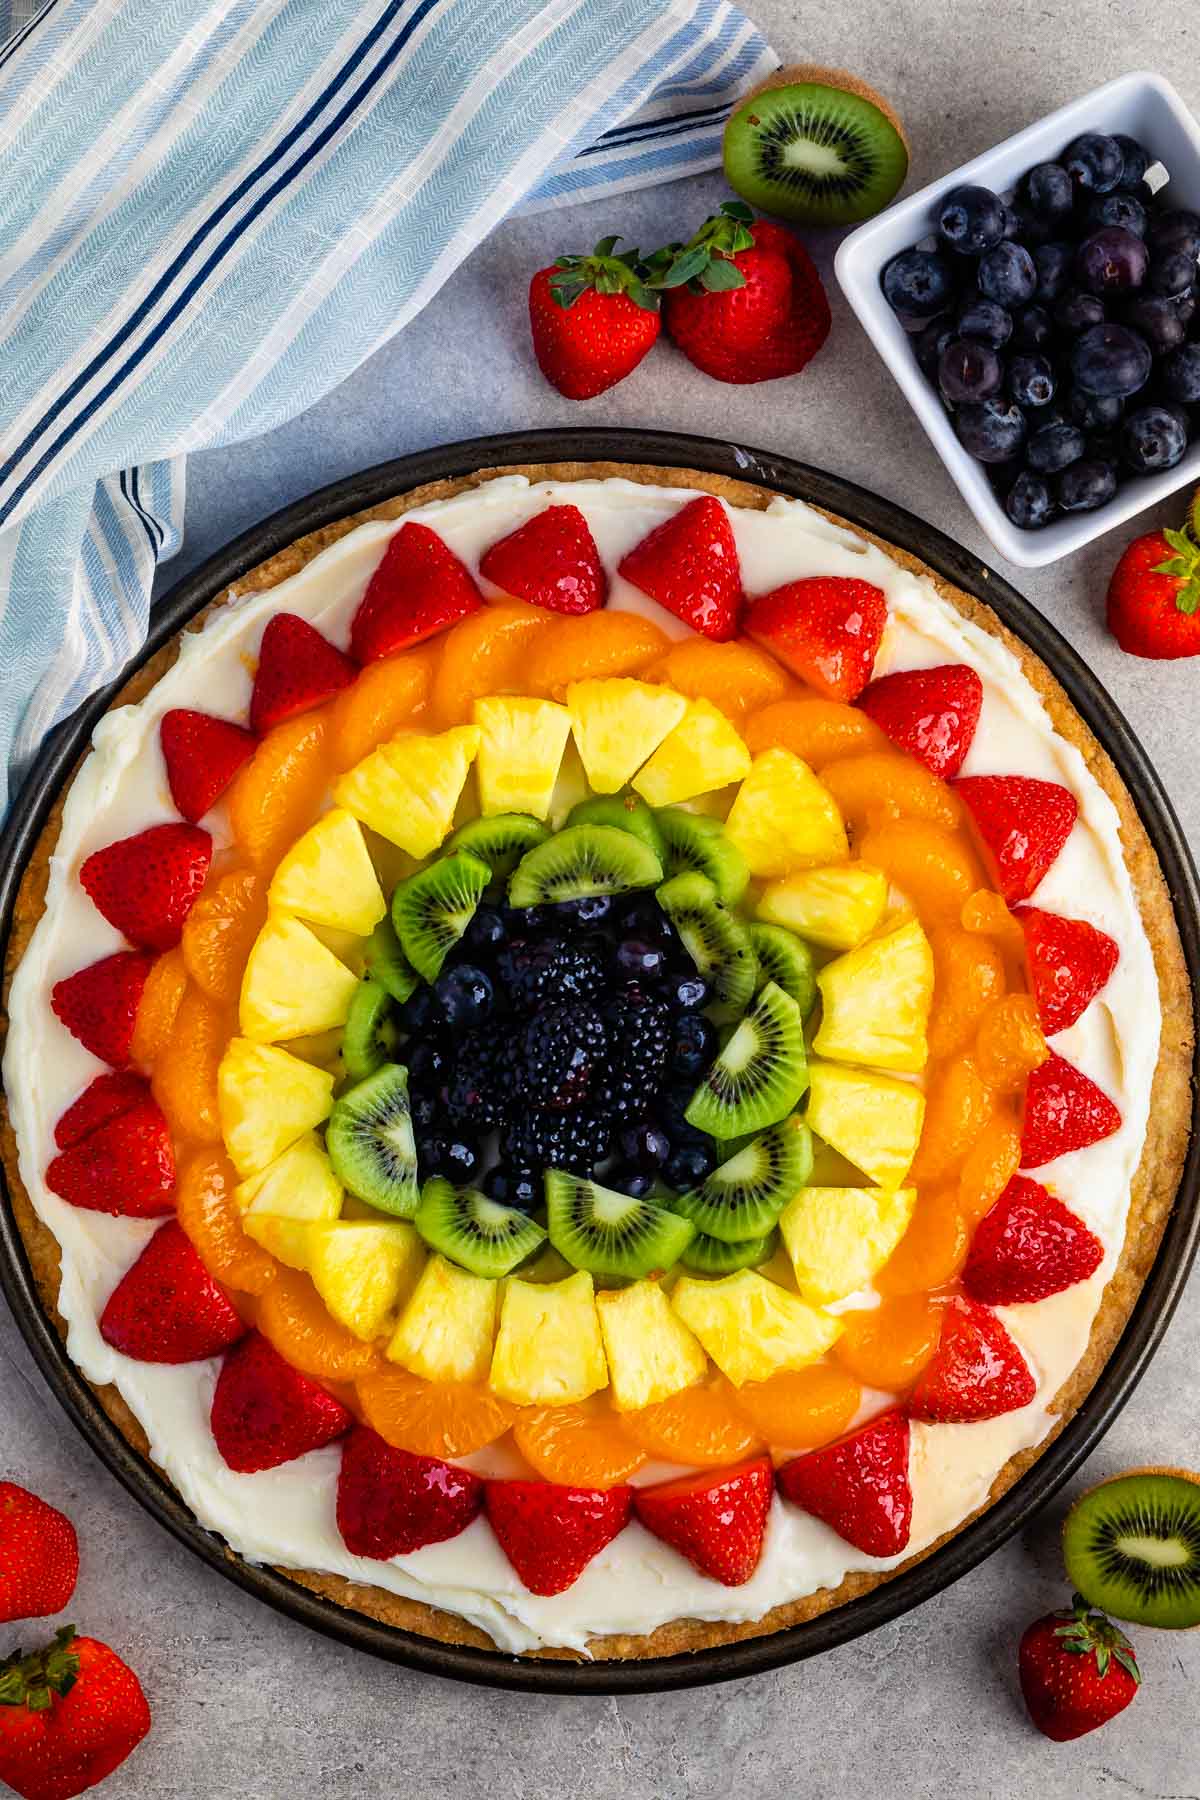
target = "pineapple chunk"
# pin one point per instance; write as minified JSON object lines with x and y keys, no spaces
{"x":873,"y":1120}
{"x":292,"y":985}
{"x":300,"y":1184}
{"x":364,"y":1273}
{"x":836,"y":907}
{"x":548,"y":1349}
{"x":267,"y":1099}
{"x":328,"y":878}
{"x":875,"y":1002}
{"x":287,"y":1240}
{"x":521,"y":745}
{"x":446,"y":1330}
{"x":750,"y":1327}
{"x":651,"y":1353}
{"x":617,"y":724}
{"x":839,"y":1238}
{"x":407,"y":790}
{"x":783,"y":819}
{"x":702,"y":753}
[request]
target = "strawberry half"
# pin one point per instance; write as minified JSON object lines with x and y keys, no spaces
{"x":551,"y":561}
{"x":1069,"y":962}
{"x":265,"y":1413}
{"x":1064,"y":1110}
{"x":202,"y":755}
{"x":297,"y":670}
{"x":146,"y":885}
{"x":931,"y":713}
{"x":1024,"y":824}
{"x":98,"y":1005}
{"x":125,"y":1167}
{"x":1028,"y":1246}
{"x":390,"y":1502}
{"x":975,"y":1373}
{"x":592,"y":319}
{"x":39,"y":1555}
{"x":717,"y":1521}
{"x":419,"y":589}
{"x":689,"y":564}
{"x":859,"y":1486}
{"x":167,"y":1308}
{"x":105,"y":1098}
{"x":550,"y":1533}
{"x":825,"y":629}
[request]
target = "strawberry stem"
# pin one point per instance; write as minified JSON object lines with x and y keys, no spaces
{"x":1185,"y":566}
{"x":1085,"y":1630}
{"x":32,"y":1681}
{"x":705,"y":262}
{"x":606,"y":272}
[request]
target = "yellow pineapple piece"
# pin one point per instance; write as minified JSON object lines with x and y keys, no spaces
{"x":364,"y":1272}
{"x":407,"y":790}
{"x":836,"y":907}
{"x":617,"y":724}
{"x":875,"y":1002}
{"x":549,"y":1350}
{"x":300,"y":1184}
{"x":267,"y":1099}
{"x":292,"y":984}
{"x":651,"y":1353}
{"x":328,"y":878}
{"x":750,"y":1327}
{"x":521,"y":746}
{"x":287,"y":1240}
{"x":446,"y":1330}
{"x":839,"y":1238}
{"x":703,"y":752}
{"x":783,"y":819}
{"x":873,"y":1120}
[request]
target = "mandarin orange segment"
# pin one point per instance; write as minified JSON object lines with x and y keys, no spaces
{"x":934,"y":869}
{"x":1009,"y":1044}
{"x":220,"y":931}
{"x":278,"y":793}
{"x":292,"y":1315}
{"x":185,"y":1076}
{"x":737,"y":678}
{"x":932,"y":1250}
{"x":432,"y":1419}
{"x":158,"y":1008}
{"x":801,"y":1409}
{"x":958,"y":1104}
{"x":817,"y":731}
{"x":888,"y":1345}
{"x":378,"y":703}
{"x":209,"y":1215}
{"x":992,"y":1162}
{"x":485,"y":654}
{"x":577,"y":1446}
{"x":588,"y":648}
{"x":985,"y":914}
{"x":968,"y":974}
{"x":699,"y":1426}
{"x":893,"y":786}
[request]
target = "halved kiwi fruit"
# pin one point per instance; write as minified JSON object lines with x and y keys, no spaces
{"x":698,"y":843}
{"x":371,"y":1145}
{"x":612,"y":1234}
{"x":580,"y":861}
{"x":1132,"y":1547}
{"x":715,"y":939}
{"x":386,"y":963}
{"x":433,"y":908}
{"x":709,"y":1256}
{"x":500,"y":841}
{"x":759,"y":1075}
{"x":786,"y":960}
{"x":745,"y":1194}
{"x":477,"y":1233}
{"x":370,"y":1036}
{"x":625,"y":812}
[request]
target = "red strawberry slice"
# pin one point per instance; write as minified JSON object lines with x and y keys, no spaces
{"x":1028,"y":1246}
{"x":1064,"y":1110}
{"x":146,"y":885}
{"x":265,"y":1413}
{"x":297,"y":670}
{"x":1069,"y":962}
{"x":98,"y":1005}
{"x":419,"y":588}
{"x":125,"y":1167}
{"x":931,"y":713}
{"x":826,"y":629}
{"x":551,"y":561}
{"x":167,"y":1308}
{"x":975,"y":1373}
{"x":202,"y":755}
{"x":858,"y":1486}
{"x":103,"y":1099}
{"x":390,"y":1502}
{"x":689,"y":564}
{"x":1024,"y":824}
{"x":717,"y":1521}
{"x":550,"y":1533}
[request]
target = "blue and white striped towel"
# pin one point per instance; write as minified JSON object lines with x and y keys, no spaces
{"x":213,"y":210}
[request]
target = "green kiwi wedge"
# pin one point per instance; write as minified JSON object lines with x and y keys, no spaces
{"x":433,"y":908}
{"x":710,"y":1256}
{"x":477,"y":1233}
{"x":759,"y":1075}
{"x":786,"y":960}
{"x":370,"y":1037}
{"x":817,"y":146}
{"x":500,"y":841}
{"x":715,"y":939}
{"x":745,"y":1194}
{"x":612,"y":1234}
{"x":697,"y":844}
{"x":625,"y":812}
{"x":386,"y":963}
{"x":580,"y":861}
{"x":371,"y":1145}
{"x":1132,"y":1547}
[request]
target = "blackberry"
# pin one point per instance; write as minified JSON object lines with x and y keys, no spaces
{"x":477,"y":1093}
{"x":639,"y":1037}
{"x":563,"y":1056}
{"x":551,"y":970}
{"x":575,"y":1141}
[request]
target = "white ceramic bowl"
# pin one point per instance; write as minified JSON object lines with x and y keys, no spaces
{"x":1142,"y":105}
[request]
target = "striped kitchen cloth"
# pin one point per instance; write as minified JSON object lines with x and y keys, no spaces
{"x":213,"y":210}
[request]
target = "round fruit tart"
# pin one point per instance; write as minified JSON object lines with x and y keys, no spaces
{"x":595,"y":1061}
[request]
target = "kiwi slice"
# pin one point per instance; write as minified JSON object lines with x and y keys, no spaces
{"x":710,"y":1256}
{"x":386,"y":963}
{"x":715,"y":939}
{"x":612,"y":1234}
{"x":625,"y":812}
{"x":817,"y":146}
{"x":500,"y":841}
{"x":477,"y":1233}
{"x":745,"y":1194}
{"x":370,"y":1036}
{"x":697,"y":843}
{"x":371,"y":1145}
{"x":1132,"y":1547}
{"x":583,"y":860}
{"x":786,"y":960}
{"x":433,"y":908}
{"x":759,"y":1075}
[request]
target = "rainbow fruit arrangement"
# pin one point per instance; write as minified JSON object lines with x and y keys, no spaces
{"x":623,"y":1043}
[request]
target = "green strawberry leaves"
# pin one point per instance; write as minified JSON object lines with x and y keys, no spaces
{"x":1185,"y":566}
{"x":1086,"y":1631}
{"x":606,"y":272}
{"x":704,"y":263}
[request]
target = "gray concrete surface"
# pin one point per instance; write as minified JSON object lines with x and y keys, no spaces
{"x":249,"y":1705}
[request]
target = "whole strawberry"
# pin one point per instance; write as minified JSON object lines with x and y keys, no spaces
{"x":1154,"y":595}
{"x":1078,"y":1670}
{"x":39,"y":1555}
{"x":69,"y":1715}
{"x":593,"y":319}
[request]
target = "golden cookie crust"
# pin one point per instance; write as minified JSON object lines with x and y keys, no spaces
{"x":1154,"y":1184}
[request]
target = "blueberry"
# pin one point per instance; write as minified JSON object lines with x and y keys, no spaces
{"x":917,"y":284}
{"x":689,"y":1163}
{"x":990,"y":430}
{"x":646,"y":1146}
{"x":968,"y":370}
{"x":1048,"y":191}
{"x":526,"y":921}
{"x":1116,"y":209}
{"x":591,"y":913}
{"x":428,"y":1063}
{"x":1028,"y":502}
{"x":1030,"y":228}
{"x":1094,"y":161}
{"x":1185,"y":306}
{"x":1155,"y":437}
{"x":641,"y":917}
{"x":637,"y":1183}
{"x":521,"y":1188}
{"x":1076,"y":311}
{"x":1171,"y":272}
{"x":1181,"y":374}
{"x":1033,"y":328}
{"x":1135,"y":160}
{"x":693,"y":1045}
{"x":1030,"y":380}
{"x":1094,"y":411}
{"x":686,"y":992}
{"x":455,"y":1158}
{"x":421,"y":1013}
{"x":1086,"y":485}
{"x":1162,"y":322}
{"x":971,"y":219}
{"x":932,"y":341}
{"x":1007,"y":274}
{"x":1112,"y":261}
{"x":1053,"y":264}
{"x":466,"y":996}
{"x":636,"y":960}
{"x":671,"y":1106}
{"x":1054,"y":447}
{"x":486,"y":931}
{"x":1177,"y":229}
{"x":983,"y":319}
{"x":425,"y":1108}
{"x":1110,"y":359}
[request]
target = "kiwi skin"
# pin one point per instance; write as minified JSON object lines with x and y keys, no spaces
{"x":794,"y":74}
{"x":1125,"y":1475}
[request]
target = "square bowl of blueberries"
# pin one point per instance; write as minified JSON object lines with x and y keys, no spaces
{"x":1039,"y":308}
